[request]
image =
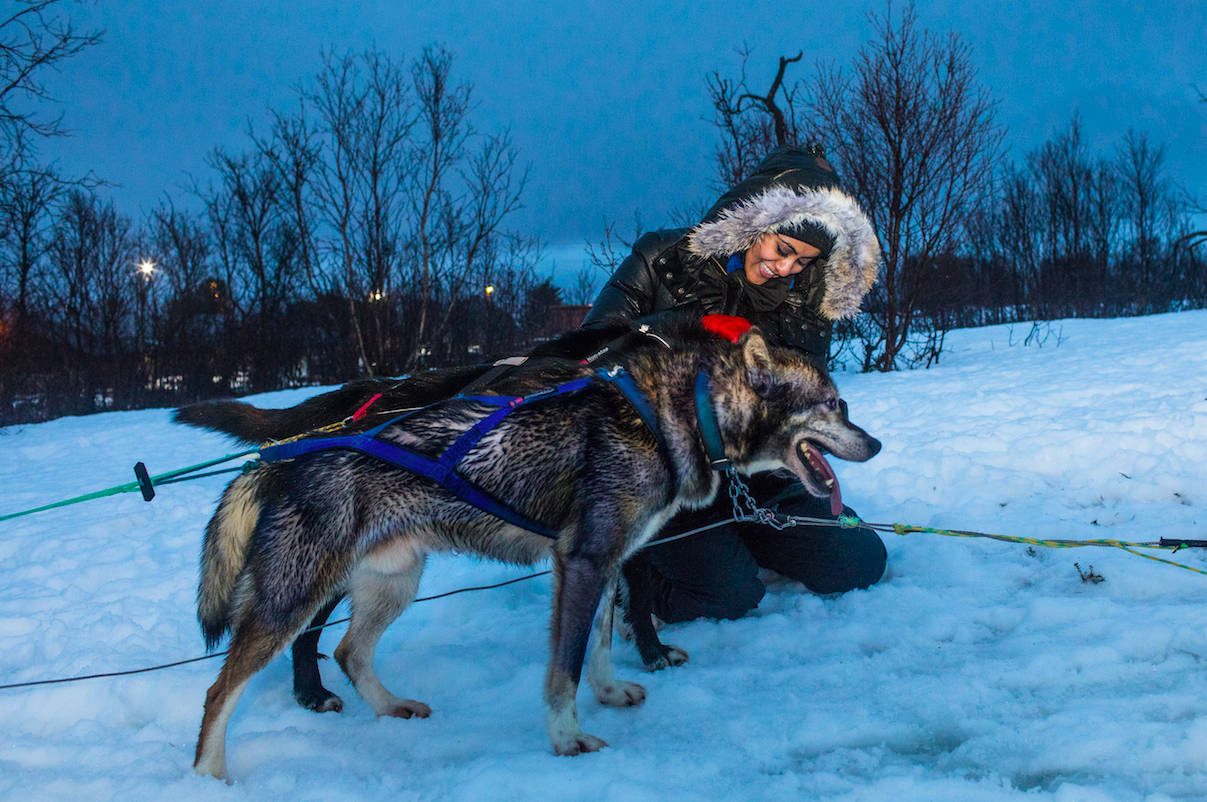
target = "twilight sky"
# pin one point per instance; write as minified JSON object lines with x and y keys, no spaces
{"x":606,"y":100}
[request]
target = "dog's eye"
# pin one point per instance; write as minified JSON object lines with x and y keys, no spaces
{"x":830,"y":404}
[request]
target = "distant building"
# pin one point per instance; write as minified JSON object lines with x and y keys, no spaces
{"x":562,"y":318}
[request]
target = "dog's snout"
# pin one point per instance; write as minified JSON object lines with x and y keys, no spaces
{"x":875,"y":445}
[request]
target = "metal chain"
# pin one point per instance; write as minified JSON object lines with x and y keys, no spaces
{"x":745,"y":508}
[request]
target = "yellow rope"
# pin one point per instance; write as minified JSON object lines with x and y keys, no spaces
{"x":903,"y":529}
{"x":330,"y":427}
{"x":333,"y":427}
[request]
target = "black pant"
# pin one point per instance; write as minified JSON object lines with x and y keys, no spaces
{"x":714,"y":574}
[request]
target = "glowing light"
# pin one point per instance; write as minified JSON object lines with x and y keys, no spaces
{"x":489,"y":289}
{"x":147,"y":268}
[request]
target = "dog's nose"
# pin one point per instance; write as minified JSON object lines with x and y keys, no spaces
{"x":875,"y":445}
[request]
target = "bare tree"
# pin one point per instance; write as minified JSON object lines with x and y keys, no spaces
{"x":92,"y":302}
{"x":1190,"y":239}
{"x":1020,"y":233}
{"x":443,"y":110}
{"x":916,"y":140}
{"x":193,"y":333}
{"x":294,"y":150}
{"x":27,"y":202}
{"x":583,"y":288}
{"x":372,"y":215}
{"x":35,"y":36}
{"x":25,"y":214}
{"x":258,"y":249}
{"x":476,"y":253}
{"x":365,"y":116}
{"x":751,"y":124}
{"x":1076,"y":197}
{"x":1146,"y":193}
{"x":1103,"y":223}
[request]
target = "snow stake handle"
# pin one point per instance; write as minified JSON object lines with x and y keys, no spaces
{"x":144,"y":481}
{"x":1177,"y":543}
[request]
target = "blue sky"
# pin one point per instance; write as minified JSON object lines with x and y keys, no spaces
{"x":607,"y":101}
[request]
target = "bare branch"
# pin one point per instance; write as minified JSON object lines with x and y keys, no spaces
{"x":33,"y":38}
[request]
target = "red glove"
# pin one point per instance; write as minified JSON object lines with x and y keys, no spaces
{"x":727,"y":326}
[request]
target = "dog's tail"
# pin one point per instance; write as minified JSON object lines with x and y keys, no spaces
{"x":249,"y":424}
{"x":254,"y":426}
{"x":224,"y":555}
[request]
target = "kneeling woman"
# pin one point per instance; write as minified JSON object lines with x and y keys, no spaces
{"x":791,"y":252}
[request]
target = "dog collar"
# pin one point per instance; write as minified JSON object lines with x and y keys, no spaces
{"x":713,"y":447}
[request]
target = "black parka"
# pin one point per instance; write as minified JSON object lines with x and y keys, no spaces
{"x":684,"y":269}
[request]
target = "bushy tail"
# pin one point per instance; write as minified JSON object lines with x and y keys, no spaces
{"x":246,"y":423}
{"x":254,"y":426}
{"x":224,"y":555}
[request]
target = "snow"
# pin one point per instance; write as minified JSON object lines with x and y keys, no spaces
{"x":976,"y":670}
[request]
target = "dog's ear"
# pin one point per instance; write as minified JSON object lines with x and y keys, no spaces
{"x":758,"y":362}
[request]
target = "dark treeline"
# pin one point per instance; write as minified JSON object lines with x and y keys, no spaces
{"x":1063,"y":233}
{"x":364,"y":233}
{"x":1069,"y":233}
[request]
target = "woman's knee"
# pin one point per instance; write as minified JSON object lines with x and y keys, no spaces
{"x":713,"y":577}
{"x":858,"y":564}
{"x":827,"y":559}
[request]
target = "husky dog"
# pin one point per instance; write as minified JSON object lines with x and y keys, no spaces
{"x":253,"y":426}
{"x":289,"y":536}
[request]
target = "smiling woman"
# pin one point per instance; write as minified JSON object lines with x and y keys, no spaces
{"x":789,"y":250}
{"x":777,"y":256}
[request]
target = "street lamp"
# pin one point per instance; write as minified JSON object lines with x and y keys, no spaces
{"x":487,"y":338}
{"x":146,"y":269}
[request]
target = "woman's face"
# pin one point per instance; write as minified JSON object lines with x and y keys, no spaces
{"x":776,"y":256}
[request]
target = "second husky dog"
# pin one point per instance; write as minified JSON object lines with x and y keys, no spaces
{"x":288,"y":536}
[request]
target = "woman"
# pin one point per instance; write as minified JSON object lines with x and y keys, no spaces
{"x":790,"y":251}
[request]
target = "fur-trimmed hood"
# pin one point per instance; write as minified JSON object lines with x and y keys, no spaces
{"x":790,"y":188}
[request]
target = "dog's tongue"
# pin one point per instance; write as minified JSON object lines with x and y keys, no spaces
{"x":819,"y":464}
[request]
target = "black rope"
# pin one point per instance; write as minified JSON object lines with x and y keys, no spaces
{"x":220,"y":654}
{"x":197,"y":476}
{"x":652,"y":543}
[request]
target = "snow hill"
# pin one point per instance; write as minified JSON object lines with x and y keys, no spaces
{"x":976,"y":670}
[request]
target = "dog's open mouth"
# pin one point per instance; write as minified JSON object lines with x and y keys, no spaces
{"x":822,"y":473}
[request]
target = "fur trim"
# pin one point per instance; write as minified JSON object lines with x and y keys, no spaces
{"x":849,"y":270}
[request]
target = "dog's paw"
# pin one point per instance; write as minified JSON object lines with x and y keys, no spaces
{"x":409,"y":708}
{"x":577,"y":744}
{"x":208,"y":766}
{"x":668,"y":657}
{"x":620,"y":694}
{"x":323,"y":701}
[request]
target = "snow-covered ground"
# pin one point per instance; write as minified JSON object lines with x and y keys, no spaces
{"x":977,"y":670}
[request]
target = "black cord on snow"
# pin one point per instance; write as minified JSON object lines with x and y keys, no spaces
{"x":220,"y":654}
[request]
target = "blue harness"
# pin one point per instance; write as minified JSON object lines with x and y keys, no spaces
{"x":442,"y":469}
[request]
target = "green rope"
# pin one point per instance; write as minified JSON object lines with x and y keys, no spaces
{"x":130,"y":487}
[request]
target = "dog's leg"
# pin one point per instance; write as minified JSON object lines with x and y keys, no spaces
{"x":578,"y":586}
{"x":307,"y":681}
{"x":252,"y":647}
{"x":377,"y":599}
{"x":639,"y":575}
{"x":609,"y":690}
